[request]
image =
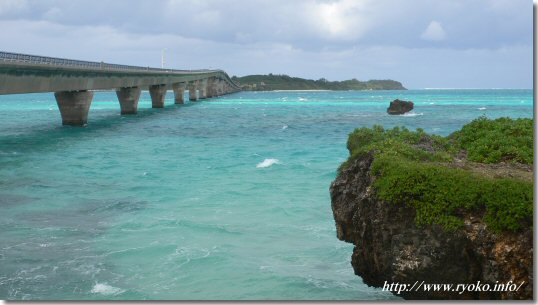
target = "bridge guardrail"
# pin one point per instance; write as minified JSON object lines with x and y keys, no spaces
{"x":44,"y":60}
{"x":62,"y":62}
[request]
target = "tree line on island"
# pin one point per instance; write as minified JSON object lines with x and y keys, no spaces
{"x":284,"y":82}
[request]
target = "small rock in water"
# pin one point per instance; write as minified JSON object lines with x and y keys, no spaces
{"x":400,"y":107}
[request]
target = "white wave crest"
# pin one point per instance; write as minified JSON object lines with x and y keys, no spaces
{"x":105,"y":289}
{"x":285,"y":127}
{"x":267,"y":163}
{"x":412,"y":114}
{"x":482,"y":108}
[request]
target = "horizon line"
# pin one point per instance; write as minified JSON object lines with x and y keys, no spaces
{"x":472,"y":89}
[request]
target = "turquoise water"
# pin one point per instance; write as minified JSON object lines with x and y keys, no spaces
{"x":222,"y":199}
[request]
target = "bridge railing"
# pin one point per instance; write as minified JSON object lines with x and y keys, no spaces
{"x":52,"y":61}
{"x":62,"y":62}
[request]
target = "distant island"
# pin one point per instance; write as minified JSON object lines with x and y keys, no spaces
{"x":284,"y":82}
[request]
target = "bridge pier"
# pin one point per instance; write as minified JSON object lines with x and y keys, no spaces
{"x":209,"y":87}
{"x":128,"y":98}
{"x":220,"y":86}
{"x":179,"y":93}
{"x":202,"y":92}
{"x":193,"y":96}
{"x":74,"y":106}
{"x":214,"y":87}
{"x":157,"y":93}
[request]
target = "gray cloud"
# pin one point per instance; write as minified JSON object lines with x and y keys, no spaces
{"x":471,"y":24}
{"x":332,"y":39}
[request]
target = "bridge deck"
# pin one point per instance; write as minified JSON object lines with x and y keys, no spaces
{"x":73,"y":80}
{"x":21,"y":73}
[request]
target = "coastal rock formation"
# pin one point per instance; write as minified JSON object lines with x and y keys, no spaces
{"x":391,"y":248}
{"x":400,"y":107}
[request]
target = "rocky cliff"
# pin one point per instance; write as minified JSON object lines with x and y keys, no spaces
{"x":390,"y":247}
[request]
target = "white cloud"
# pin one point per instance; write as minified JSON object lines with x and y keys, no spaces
{"x":434,"y":32}
{"x":343,"y":19}
{"x":12,"y":6}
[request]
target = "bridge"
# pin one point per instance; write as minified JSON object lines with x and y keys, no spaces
{"x":73,"y":83}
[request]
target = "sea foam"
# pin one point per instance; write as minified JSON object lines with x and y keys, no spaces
{"x":267,"y":163}
{"x":412,"y":114}
{"x":106,"y":289}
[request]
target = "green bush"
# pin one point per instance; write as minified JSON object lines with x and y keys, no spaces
{"x":441,"y":195}
{"x":493,"y":141}
{"x":398,"y":141}
{"x":412,"y":167}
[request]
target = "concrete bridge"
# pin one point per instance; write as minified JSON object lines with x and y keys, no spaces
{"x":72,"y":82}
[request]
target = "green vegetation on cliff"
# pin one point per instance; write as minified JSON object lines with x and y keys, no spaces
{"x":484,"y":168}
{"x":285,"y":82}
{"x":490,"y":141}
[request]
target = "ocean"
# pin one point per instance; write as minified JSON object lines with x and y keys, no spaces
{"x":222,"y":199}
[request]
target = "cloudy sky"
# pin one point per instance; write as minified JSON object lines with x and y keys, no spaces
{"x":422,"y":43}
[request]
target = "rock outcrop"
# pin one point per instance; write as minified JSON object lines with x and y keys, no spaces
{"x":390,"y":247}
{"x":399,"y":107}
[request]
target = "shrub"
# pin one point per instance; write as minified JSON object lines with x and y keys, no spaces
{"x":413,"y":168}
{"x":493,"y":141}
{"x":441,"y":194}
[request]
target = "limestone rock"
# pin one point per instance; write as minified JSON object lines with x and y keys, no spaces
{"x":390,"y":247}
{"x":400,"y":107}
